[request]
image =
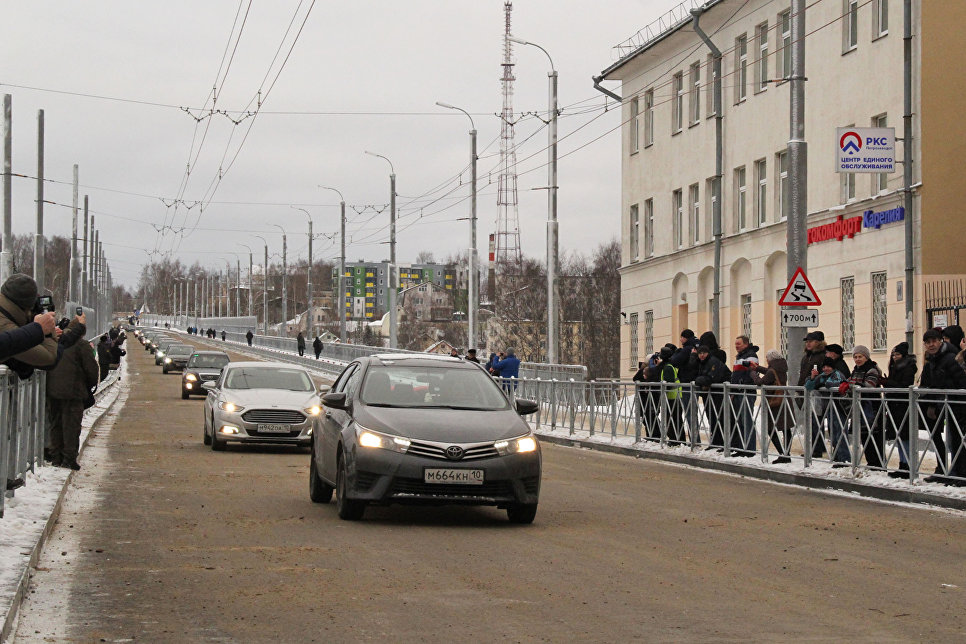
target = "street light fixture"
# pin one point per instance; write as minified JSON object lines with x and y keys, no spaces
{"x":264,"y":289}
{"x":553,"y":252}
{"x":392,"y":250}
{"x":311,"y":321}
{"x":251,"y":280}
{"x":284,"y":279}
{"x":472,"y":297}
{"x":340,"y":284}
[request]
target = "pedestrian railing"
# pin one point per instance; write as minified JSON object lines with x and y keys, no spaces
{"x":910,"y":433}
{"x":23,"y":421}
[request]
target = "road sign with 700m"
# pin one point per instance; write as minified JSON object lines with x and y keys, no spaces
{"x":802,"y":318}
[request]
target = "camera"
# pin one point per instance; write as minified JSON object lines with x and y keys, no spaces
{"x":44,"y":304}
{"x":79,"y":311}
{"x":63,"y":323}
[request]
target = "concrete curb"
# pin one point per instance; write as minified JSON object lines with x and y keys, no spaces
{"x":802,"y":480}
{"x":10,"y":619}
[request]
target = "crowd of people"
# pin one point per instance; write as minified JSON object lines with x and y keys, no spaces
{"x":831,"y":382}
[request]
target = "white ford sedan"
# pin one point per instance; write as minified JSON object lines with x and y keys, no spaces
{"x":260,"y":402}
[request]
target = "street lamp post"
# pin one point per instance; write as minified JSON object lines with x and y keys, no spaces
{"x":284,"y":279}
{"x":340,"y":283}
{"x":264,"y":289}
{"x":308,"y":286}
{"x":553,"y":251}
{"x":251,"y":279}
{"x":472,"y":299}
{"x":392,"y":251}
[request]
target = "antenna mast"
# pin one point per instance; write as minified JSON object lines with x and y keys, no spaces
{"x":508,"y":217}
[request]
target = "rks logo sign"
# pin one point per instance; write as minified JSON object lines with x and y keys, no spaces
{"x":851,"y":143}
{"x":866,"y":149}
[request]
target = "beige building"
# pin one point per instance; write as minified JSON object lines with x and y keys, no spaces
{"x":854,"y":66}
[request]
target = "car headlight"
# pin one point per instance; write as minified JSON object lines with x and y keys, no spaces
{"x":191,"y":377}
{"x":229,"y":406}
{"x":371,"y":439}
{"x":520,"y":445}
{"x":314,"y":410}
{"x":167,"y":361}
{"x":160,"y":353}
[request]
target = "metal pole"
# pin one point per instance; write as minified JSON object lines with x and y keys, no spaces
{"x":251,"y":283}
{"x":74,"y":267}
{"x":265,"y":293}
{"x":311,"y":321}
{"x":553,"y":258}
{"x":393,"y":339}
{"x":796,"y":236}
{"x":6,"y":252}
{"x":83,"y":259}
{"x":907,"y":176}
{"x":89,"y":285}
{"x":238,"y":308}
{"x":341,"y":283}
{"x":39,"y":237}
{"x":716,"y":184}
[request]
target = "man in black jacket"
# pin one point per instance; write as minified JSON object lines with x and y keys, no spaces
{"x":67,"y":387}
{"x":711,"y":371}
{"x":249,"y":336}
{"x":813,"y":358}
{"x":942,"y":371}
{"x":685,"y":360}
{"x":743,"y":440}
{"x":317,"y":346}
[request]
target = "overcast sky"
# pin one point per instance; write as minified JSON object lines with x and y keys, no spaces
{"x":374,"y":68}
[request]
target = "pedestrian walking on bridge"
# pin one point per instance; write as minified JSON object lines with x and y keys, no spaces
{"x":300,"y":341}
{"x":249,"y":336}
{"x":317,"y":347}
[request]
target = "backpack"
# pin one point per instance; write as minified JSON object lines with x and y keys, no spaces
{"x":673,"y":393}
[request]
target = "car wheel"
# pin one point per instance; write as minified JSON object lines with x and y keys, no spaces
{"x":521,"y":512}
{"x":164,"y":370}
{"x":349,"y":510}
{"x":185,"y":395}
{"x":216,"y":445}
{"x":319,"y":490}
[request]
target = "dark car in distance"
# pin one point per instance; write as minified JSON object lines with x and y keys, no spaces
{"x":177,"y":357}
{"x":414,"y":429}
{"x":203,"y":366}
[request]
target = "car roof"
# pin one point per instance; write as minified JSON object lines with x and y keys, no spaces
{"x":418,"y":360}
{"x":210,"y":353}
{"x":253,"y":363}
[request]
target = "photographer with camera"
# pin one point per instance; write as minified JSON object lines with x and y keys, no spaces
{"x":69,"y":385}
{"x":20,"y":307}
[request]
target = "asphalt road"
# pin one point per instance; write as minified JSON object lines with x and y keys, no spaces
{"x":163,"y":540}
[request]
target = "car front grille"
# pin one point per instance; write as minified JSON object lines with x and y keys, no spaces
{"x":208,"y":378}
{"x":417,"y":487}
{"x":292,"y":434}
{"x":275,"y":416}
{"x":531,"y":484}
{"x":432,"y":450}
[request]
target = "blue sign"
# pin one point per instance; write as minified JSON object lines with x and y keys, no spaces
{"x":877,"y":219}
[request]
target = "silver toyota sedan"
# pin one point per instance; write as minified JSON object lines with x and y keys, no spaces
{"x":260,"y":402}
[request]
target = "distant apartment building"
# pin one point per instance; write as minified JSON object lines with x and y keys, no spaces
{"x":856,"y":251}
{"x":427,"y":302}
{"x":366,"y":285}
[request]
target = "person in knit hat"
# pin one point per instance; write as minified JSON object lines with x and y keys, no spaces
{"x":901,"y":374}
{"x":867,"y":375}
{"x":953,"y":334}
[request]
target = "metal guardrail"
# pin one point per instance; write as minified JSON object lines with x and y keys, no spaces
{"x":910,"y":433}
{"x":23,"y":421}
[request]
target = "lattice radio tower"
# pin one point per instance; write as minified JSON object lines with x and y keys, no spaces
{"x":508,"y":218}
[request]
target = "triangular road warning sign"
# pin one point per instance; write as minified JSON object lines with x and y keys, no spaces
{"x":799,"y":292}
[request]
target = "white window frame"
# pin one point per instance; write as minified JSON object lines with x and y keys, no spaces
{"x":746,"y":321}
{"x":847,"y":183}
{"x":880,"y":310}
{"x":850,"y":25}
{"x":709,"y":214}
{"x":784,"y":25}
{"x":880,"y":180}
{"x":741,"y":199}
{"x":709,"y":89}
{"x":783,"y":194}
{"x":741,"y":68}
{"x":695,"y":105}
{"x":677,"y":103}
{"x":634,"y":126}
{"x":880,"y":19}
{"x":677,"y":211}
{"x":761,"y":200}
{"x":635,"y":233}
{"x":649,"y":118}
{"x":694,"y":214}
{"x":761,"y":67}
{"x":648,"y":228}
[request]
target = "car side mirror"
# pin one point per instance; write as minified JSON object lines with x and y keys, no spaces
{"x":336,"y":401}
{"x":210,"y":385}
{"x":324,"y":389}
{"x":525,"y":407}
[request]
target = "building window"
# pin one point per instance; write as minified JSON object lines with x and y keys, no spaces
{"x":761,"y":66}
{"x":649,"y":228}
{"x":880,"y":312}
{"x":746,"y":314}
{"x":880,"y":181}
{"x":677,"y":209}
{"x":635,"y":232}
{"x":784,"y":192}
{"x":709,"y":88}
{"x":850,"y":25}
{"x":648,"y":332}
{"x":694,"y":213}
{"x":677,"y":104}
{"x":880,"y":18}
{"x":785,"y":53}
{"x":632,"y":323}
{"x":761,"y":203}
{"x":848,"y":313}
{"x":695,"y":98}
{"x":741,"y":199}
{"x":848,"y":186}
{"x":741,"y":68}
{"x":634,"y":126}
{"x":709,"y":210}
{"x":648,"y":117}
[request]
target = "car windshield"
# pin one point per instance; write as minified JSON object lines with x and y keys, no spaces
{"x":180,"y":350}
{"x":201,"y":361}
{"x":427,"y":387}
{"x":269,"y":378}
